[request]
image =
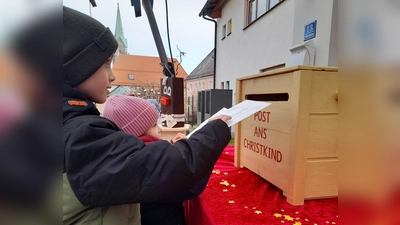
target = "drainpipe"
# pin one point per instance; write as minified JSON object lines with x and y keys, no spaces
{"x":215,"y":48}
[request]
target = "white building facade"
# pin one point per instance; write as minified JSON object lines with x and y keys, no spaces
{"x":258,"y":35}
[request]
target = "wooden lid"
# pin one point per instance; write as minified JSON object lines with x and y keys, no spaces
{"x":288,"y":70}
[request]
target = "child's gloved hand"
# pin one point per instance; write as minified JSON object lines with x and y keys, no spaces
{"x":178,"y":137}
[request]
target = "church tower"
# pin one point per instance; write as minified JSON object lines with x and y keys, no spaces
{"x":119,"y":35}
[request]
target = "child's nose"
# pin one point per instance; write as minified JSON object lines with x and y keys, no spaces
{"x":112,"y":76}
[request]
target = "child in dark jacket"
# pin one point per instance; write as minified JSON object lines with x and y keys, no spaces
{"x":107,"y":171}
{"x":139,"y":117}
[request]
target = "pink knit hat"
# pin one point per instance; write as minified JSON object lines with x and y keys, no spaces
{"x":133,"y":115}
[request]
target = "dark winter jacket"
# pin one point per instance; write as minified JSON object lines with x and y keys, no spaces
{"x":106,"y":166}
{"x":195,"y":190}
{"x":169,"y":213}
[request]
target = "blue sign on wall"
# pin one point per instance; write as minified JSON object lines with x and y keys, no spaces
{"x":310,"y":31}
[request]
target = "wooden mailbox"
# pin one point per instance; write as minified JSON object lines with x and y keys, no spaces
{"x":293,"y":142}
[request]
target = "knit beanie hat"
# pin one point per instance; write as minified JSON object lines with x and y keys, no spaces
{"x":86,"y":47}
{"x":133,"y":115}
{"x":155,"y":103}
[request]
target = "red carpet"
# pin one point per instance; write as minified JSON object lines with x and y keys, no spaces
{"x":237,"y":196}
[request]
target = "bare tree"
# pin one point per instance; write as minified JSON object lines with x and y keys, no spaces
{"x":146,"y":91}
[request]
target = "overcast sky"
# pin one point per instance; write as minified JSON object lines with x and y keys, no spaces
{"x":191,"y":33}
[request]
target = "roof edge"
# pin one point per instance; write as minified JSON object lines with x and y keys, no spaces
{"x":200,"y":77}
{"x":201,"y":13}
{"x":212,"y":8}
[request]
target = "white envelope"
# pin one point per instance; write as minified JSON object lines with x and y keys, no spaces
{"x":238,"y":112}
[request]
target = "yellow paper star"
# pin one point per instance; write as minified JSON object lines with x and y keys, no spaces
{"x":288,"y":218}
{"x":231,"y":202}
{"x":258,"y":212}
{"x":233,"y":185}
{"x":277,"y":215}
{"x":217,"y":172}
{"x":297,"y":223}
{"x":225,"y":190}
{"x":224,"y":183}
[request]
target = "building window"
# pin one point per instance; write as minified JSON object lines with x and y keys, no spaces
{"x":229,"y":31}
{"x":190,"y":88}
{"x":195,"y":86}
{"x":211,"y":86}
{"x":224,"y":31}
{"x":257,"y":8}
{"x":261,"y":7}
{"x":252,"y":10}
{"x":204,"y":86}
{"x":273,"y":3}
{"x":222,"y":85}
{"x":227,"y":85}
{"x":131,"y":77}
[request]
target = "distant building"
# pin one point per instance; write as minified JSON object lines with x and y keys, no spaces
{"x":135,"y":74}
{"x":119,"y":35}
{"x":120,"y":90}
{"x":201,"y":78}
{"x":140,"y":74}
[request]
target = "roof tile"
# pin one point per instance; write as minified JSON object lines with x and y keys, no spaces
{"x":146,"y":70}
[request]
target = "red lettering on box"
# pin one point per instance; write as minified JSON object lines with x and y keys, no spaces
{"x":260,"y":132}
{"x":262,"y":116}
{"x":263,"y":150}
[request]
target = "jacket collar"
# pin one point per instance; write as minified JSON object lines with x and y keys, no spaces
{"x":76,"y":104}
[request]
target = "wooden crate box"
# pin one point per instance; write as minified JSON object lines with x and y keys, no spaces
{"x":293,"y":142}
